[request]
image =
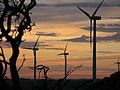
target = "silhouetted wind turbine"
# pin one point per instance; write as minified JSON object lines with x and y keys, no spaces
{"x":93,"y":18}
{"x":65,"y":56}
{"x":118,"y":63}
{"x":34,"y":53}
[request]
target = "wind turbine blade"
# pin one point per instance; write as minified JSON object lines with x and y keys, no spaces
{"x":91,"y":33}
{"x":97,"y":8}
{"x":87,"y":14}
{"x":61,"y":54}
{"x":36,"y":41}
{"x":66,"y":47}
{"x":28,"y":48}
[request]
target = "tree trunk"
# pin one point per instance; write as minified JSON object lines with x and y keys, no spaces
{"x":13,"y":68}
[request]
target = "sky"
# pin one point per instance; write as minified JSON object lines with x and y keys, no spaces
{"x":59,"y":22}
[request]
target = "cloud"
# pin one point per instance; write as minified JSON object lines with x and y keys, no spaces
{"x":51,"y":48}
{"x":106,"y":52}
{"x":78,"y":39}
{"x":63,"y":13}
{"x":60,"y":14}
{"x":4,"y":44}
{"x":85,"y":3}
{"x":23,"y":44}
{"x":109,"y":25}
{"x":106,"y":27}
{"x":31,"y":44}
{"x":43,"y":45}
{"x":115,"y":37}
{"x":54,"y":14}
{"x":47,"y":34}
{"x":114,"y":17}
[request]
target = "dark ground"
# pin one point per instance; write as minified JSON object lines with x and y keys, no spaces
{"x":27,"y":84}
{"x":108,"y":83}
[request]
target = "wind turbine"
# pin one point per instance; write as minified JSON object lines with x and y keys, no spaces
{"x":118,"y":63}
{"x":65,"y":54}
{"x":34,"y":53}
{"x":93,"y":18}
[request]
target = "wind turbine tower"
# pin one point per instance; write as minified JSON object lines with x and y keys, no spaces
{"x":65,"y":54}
{"x":34,"y":53}
{"x":93,"y":18}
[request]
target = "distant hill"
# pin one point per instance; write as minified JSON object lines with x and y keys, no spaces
{"x":108,"y":83}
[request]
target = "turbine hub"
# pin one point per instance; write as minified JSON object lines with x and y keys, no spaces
{"x":66,"y":53}
{"x":35,"y":48}
{"x":96,"y":17}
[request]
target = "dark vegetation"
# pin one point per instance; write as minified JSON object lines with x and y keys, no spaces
{"x":27,"y":84}
{"x":108,"y":83}
{"x":16,"y":13}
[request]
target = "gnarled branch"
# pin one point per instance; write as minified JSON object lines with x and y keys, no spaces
{"x":24,"y":59}
{"x":3,"y":61}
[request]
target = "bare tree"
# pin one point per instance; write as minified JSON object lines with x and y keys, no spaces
{"x":45,"y":70}
{"x":71,"y":70}
{"x":3,"y":64}
{"x":24,"y":59}
{"x":41,"y":68}
{"x":14,"y":21}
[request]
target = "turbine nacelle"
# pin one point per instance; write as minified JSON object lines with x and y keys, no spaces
{"x":35,"y":48}
{"x":96,"y":18}
{"x":66,"y":53}
{"x":63,"y":54}
{"x":117,"y":62}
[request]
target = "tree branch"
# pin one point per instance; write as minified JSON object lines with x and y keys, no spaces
{"x":4,"y":60}
{"x":72,"y":70}
{"x":24,"y":59}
